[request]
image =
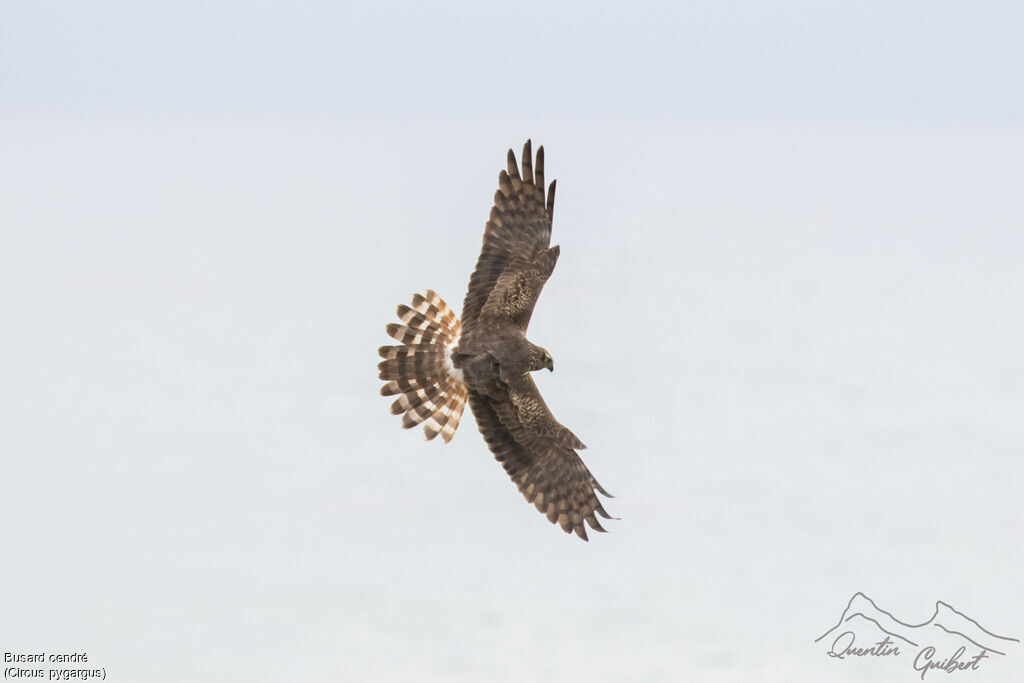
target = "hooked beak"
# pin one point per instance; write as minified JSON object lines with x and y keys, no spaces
{"x":550,"y":365}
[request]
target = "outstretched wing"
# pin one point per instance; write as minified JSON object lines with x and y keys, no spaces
{"x":515,"y":259}
{"x":539,"y":454}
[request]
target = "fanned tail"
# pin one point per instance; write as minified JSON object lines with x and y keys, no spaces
{"x":430,"y":389}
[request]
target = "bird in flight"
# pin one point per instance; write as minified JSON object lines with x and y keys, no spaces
{"x":485,"y":357}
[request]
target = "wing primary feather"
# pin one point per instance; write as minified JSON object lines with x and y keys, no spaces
{"x":528,"y":162}
{"x":513,"y":171}
{"x":538,"y":172}
{"x":505,"y":183}
{"x":551,"y":200}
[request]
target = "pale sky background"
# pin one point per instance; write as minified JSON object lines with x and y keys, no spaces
{"x":786,"y":321}
{"x":889,"y":61}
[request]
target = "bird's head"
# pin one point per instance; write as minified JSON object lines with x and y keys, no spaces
{"x":540,"y":358}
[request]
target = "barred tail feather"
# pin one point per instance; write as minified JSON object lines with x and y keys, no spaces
{"x":419,"y":372}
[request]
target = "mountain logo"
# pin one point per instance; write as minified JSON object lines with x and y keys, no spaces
{"x":950,"y":641}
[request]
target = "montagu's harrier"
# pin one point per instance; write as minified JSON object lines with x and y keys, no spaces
{"x":487,"y":358}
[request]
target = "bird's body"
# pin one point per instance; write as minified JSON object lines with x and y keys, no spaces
{"x":485,"y":357}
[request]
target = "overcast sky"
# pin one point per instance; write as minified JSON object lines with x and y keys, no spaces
{"x":747,"y":60}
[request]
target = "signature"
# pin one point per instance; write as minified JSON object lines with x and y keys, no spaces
{"x":950,"y":641}
{"x":923,"y":661}
{"x":843,"y":647}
